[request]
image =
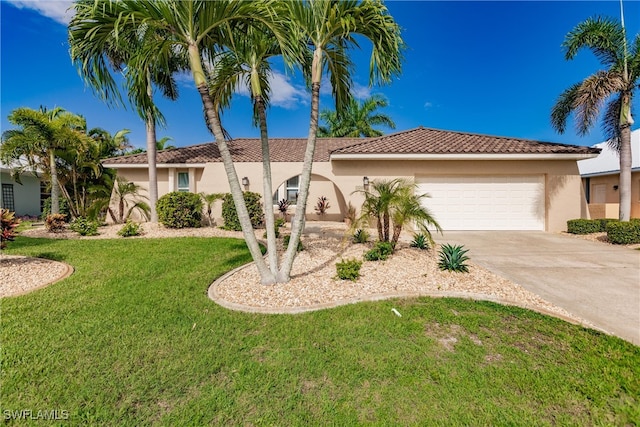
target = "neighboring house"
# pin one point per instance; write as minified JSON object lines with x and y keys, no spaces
{"x":476,"y":182}
{"x":24,"y":198}
{"x":601,"y":178}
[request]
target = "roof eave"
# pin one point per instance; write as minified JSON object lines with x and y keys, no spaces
{"x":158,"y":166}
{"x":474,"y":156}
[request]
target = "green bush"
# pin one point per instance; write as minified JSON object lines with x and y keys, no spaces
{"x":230,"y":216}
{"x":55,"y":223}
{"x":379,"y":252}
{"x":583,"y":226}
{"x":286,"y":240}
{"x":604,"y":222}
{"x":348,"y":269}
{"x":84,"y":226}
{"x":62,"y":204}
{"x":623,"y":232}
{"x":420,"y":241}
{"x":360,"y":236}
{"x":180,"y":209}
{"x":8,"y":224}
{"x":452,"y":258}
{"x":129,"y":229}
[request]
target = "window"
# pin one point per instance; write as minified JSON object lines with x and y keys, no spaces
{"x":183,"y":181}
{"x":44,"y":194}
{"x":7,"y":197}
{"x":292,"y":189}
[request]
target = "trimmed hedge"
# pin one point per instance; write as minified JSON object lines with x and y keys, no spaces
{"x":230,"y":216}
{"x":180,"y":209}
{"x":584,"y":226}
{"x":624,"y":232}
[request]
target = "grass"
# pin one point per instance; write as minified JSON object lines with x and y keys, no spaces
{"x":132,"y":339}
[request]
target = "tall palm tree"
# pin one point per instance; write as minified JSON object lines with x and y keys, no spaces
{"x":327,"y":29}
{"x":615,"y":86}
{"x":248,"y":63}
{"x":43,"y":136}
{"x":111,"y":145}
{"x":92,"y":54}
{"x":358,"y":120}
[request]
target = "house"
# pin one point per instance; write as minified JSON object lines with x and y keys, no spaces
{"x":24,"y":198}
{"x":476,"y":182}
{"x":601,"y":178}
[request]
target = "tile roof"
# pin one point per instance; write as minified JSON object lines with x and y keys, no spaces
{"x":415,"y":141}
{"x":434,"y":141}
{"x":242,"y":150}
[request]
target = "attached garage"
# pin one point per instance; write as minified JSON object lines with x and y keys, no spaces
{"x":485,"y":202}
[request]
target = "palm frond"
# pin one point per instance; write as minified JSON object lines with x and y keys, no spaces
{"x":604,"y":36}
{"x":591,"y":95}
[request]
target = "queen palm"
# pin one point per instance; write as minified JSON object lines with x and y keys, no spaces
{"x":358,"y":120}
{"x":615,"y":86}
{"x":43,"y":137}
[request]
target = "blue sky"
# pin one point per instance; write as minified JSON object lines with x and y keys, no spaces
{"x":487,"y":67}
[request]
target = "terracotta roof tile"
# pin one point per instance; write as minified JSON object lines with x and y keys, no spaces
{"x":434,"y":141}
{"x":415,"y":141}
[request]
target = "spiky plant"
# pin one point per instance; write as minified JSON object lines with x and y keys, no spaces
{"x":452,"y":258}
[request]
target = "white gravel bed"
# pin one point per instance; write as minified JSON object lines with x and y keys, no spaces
{"x":409,"y":272}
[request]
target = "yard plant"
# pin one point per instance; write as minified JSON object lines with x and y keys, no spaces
{"x":125,"y":340}
{"x":348,"y":269}
{"x":453,"y":258}
{"x":180,"y":209}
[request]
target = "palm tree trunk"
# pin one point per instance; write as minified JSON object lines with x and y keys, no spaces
{"x":284,"y":274}
{"x":396,"y":234}
{"x":625,"y":173}
{"x":151,"y":157}
{"x":379,"y":227}
{"x":385,"y":218}
{"x":55,"y":188}
{"x":213,"y":122}
{"x":267,"y":188}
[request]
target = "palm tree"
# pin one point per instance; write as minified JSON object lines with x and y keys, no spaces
{"x":248,"y":64}
{"x":327,"y":29}
{"x":161,"y":144}
{"x":407,"y":209}
{"x":111,"y":145}
{"x":378,"y":203}
{"x":606,"y":38}
{"x":358,"y":119}
{"x":123,"y":52}
{"x":209,"y":200}
{"x":43,"y":136}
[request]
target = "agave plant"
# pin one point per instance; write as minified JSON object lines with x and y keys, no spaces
{"x":360,"y":236}
{"x":420,"y":241}
{"x":452,"y":258}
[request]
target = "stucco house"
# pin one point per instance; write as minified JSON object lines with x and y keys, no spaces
{"x":476,"y":182}
{"x":24,"y":198}
{"x":601,"y":178}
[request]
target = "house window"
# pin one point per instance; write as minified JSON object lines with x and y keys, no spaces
{"x":7,"y":197}
{"x":292,"y":189}
{"x":44,"y":194}
{"x":599,"y":193}
{"x":183,"y":181}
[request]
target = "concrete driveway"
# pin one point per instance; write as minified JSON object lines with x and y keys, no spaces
{"x":598,"y":282}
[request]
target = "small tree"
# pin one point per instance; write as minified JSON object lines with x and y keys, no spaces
{"x":208,"y":201}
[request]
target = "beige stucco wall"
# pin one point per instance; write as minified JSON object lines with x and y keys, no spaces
{"x":610,"y":207}
{"x":340,"y":181}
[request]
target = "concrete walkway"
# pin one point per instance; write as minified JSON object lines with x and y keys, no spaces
{"x":596,"y":281}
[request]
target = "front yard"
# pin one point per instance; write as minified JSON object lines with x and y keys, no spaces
{"x":132,"y":339}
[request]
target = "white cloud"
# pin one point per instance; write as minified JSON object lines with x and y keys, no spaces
{"x":284,"y":93}
{"x":58,"y":10}
{"x":360,"y":92}
{"x":428,"y":104}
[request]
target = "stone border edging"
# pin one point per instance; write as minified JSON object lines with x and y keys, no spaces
{"x":213,"y":295}
{"x":69,"y":270}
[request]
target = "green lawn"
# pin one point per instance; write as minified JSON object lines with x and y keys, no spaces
{"x":131,"y":339}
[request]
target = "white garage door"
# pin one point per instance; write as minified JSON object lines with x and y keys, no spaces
{"x":485,"y":202}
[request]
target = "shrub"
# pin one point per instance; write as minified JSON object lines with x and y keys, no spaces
{"x":283,"y":207}
{"x":322,"y":205}
{"x":8,"y":224}
{"x":360,"y":236}
{"x":452,"y":258}
{"x":84,"y":226}
{"x":180,"y":209}
{"x":230,"y":216}
{"x":54,"y":223}
{"x":286,"y":240}
{"x":63,"y":205}
{"x":129,"y":229}
{"x":604,"y":222}
{"x":623,"y":232}
{"x":348,"y":269}
{"x":420,"y":241}
{"x":583,"y":226}
{"x":379,"y":252}
{"x":279,"y":222}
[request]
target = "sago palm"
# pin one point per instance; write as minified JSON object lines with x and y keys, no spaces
{"x":613,"y":86}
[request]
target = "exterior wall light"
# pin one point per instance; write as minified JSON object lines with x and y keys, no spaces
{"x":365,"y":181}
{"x":245,"y":181}
{"x":615,"y":188}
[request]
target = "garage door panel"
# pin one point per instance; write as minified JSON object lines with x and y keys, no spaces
{"x":485,"y":202}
